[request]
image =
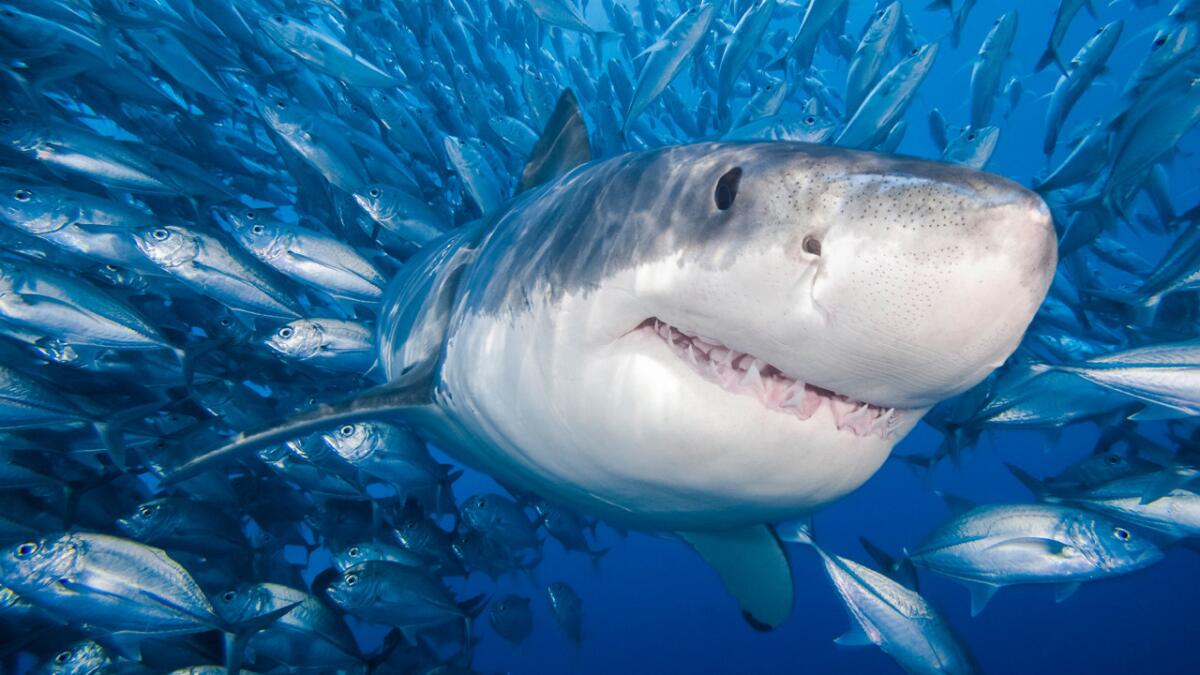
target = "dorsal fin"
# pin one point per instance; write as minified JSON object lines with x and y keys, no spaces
{"x":562,"y":147}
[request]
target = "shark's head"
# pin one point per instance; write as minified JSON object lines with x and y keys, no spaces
{"x":714,"y":334}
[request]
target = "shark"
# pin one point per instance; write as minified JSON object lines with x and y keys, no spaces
{"x":701,"y":339}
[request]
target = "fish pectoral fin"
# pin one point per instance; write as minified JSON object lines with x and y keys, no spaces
{"x":854,"y":636}
{"x":323,"y":263}
{"x":1164,"y":485}
{"x":754,"y":568}
{"x":563,"y":146}
{"x":981,"y":595}
{"x":1064,"y":591}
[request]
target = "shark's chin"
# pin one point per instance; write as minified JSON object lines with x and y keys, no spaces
{"x":745,"y":374}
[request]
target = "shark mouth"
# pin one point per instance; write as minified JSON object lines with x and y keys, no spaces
{"x":745,"y":374}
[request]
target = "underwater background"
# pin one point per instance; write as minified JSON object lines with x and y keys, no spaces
{"x":650,"y":604}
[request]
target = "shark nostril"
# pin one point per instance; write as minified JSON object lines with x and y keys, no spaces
{"x":812,"y":245}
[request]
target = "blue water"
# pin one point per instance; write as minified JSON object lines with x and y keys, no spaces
{"x":655,"y":607}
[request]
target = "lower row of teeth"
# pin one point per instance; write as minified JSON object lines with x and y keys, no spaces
{"x":743,"y":373}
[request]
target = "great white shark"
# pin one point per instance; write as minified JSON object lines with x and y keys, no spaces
{"x":702,"y":339}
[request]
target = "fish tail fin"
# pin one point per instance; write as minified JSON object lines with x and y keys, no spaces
{"x":596,"y":555}
{"x":383,"y":402}
{"x":1034,"y":485}
{"x":1050,"y":55}
{"x":797,"y":532}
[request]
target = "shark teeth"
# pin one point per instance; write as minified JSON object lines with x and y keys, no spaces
{"x":747,"y":374}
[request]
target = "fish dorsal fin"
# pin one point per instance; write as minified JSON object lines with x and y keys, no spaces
{"x":563,"y":146}
{"x":1064,"y":591}
{"x":754,"y":568}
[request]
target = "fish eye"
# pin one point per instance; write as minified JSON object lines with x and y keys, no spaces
{"x":971,"y":136}
{"x":727,"y":187}
{"x":251,"y":215}
{"x":22,"y":195}
{"x":160,"y":234}
{"x":1099,"y":31}
{"x":811,"y":245}
{"x":353,"y":552}
{"x":145,"y":511}
{"x":228,"y":596}
{"x":258,"y":229}
{"x":62,"y":657}
{"x":6,"y":122}
{"x":281,"y":104}
{"x":27,"y":549}
{"x":810,"y":120}
{"x":1122,"y":534}
{"x":481,"y":502}
{"x":374,"y":192}
{"x":351,"y":579}
{"x":278,"y":18}
{"x":1160,"y":41}
{"x":286,"y":332}
{"x":1112,"y":460}
{"x":226,"y":322}
{"x":914,"y":51}
{"x":346,"y":430}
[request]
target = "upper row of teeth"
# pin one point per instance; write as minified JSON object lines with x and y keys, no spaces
{"x":744,"y":372}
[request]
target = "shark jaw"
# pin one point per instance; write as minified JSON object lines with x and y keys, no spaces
{"x":742,"y":373}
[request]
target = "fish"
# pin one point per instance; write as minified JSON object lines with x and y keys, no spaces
{"x":889,"y":615}
{"x":988,"y":66}
{"x":973,"y":147}
{"x":1067,"y":10}
{"x":869,"y":55}
{"x":328,"y":344}
{"x":992,"y":546}
{"x":495,"y":277}
{"x":567,"y":608}
{"x":1159,"y":375}
{"x":1085,"y":66}
{"x":887,"y":100}
{"x":111,"y":583}
{"x":745,"y":39}
{"x":397,"y":595}
{"x":666,"y":57}
{"x":511,"y":618}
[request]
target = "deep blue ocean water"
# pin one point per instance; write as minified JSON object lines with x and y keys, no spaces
{"x":655,"y":607}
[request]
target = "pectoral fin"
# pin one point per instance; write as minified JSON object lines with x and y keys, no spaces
{"x":981,"y":595}
{"x":754,"y":568}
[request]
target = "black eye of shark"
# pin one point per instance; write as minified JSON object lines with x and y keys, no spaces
{"x":745,"y":374}
{"x":727,"y":187}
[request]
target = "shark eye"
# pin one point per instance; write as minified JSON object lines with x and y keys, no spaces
{"x":812,"y":245}
{"x":1122,"y":534}
{"x":346,"y":430}
{"x":160,"y":234}
{"x":727,"y":187}
{"x":351,"y":579}
{"x":27,"y":549}
{"x":22,"y":195}
{"x":286,"y":332}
